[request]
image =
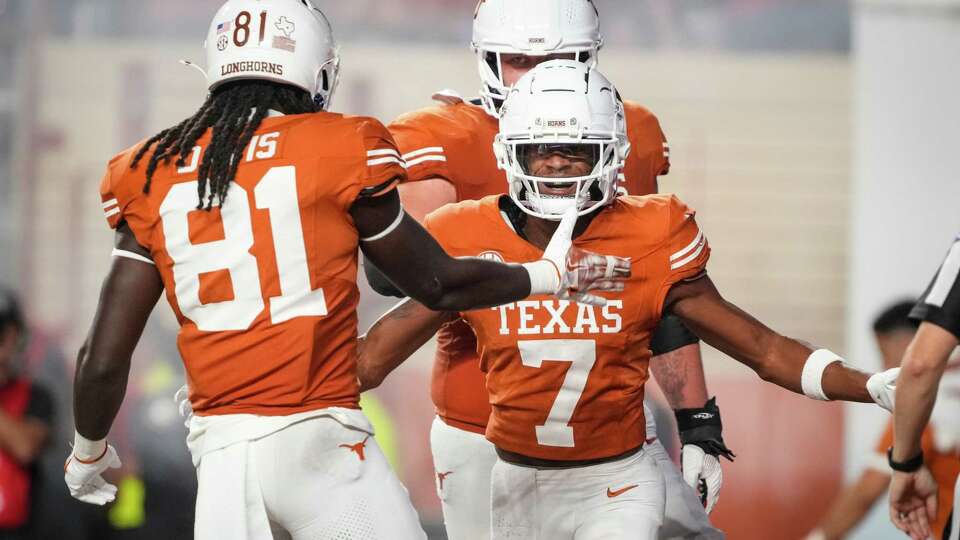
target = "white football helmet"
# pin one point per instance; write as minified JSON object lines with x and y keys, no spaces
{"x":286,"y":41}
{"x":533,"y":28}
{"x":562,"y":107}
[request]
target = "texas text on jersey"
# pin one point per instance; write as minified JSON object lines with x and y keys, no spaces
{"x":272,"y":273}
{"x":565,"y":379}
{"x":453,"y":141}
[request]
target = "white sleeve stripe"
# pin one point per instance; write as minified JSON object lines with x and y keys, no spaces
{"x":694,"y":255}
{"x":131,"y":255}
{"x":385,"y":160}
{"x":110,"y":213}
{"x":666,"y":154}
{"x":422,"y":151}
{"x":418,"y":161}
{"x":687,"y":249}
{"x":108,"y":204}
{"x":946,"y":278}
{"x":383,"y":152}
{"x":388,"y":230}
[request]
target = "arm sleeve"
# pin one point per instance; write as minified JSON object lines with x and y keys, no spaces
{"x":384,"y":167}
{"x":424,"y":155}
{"x":670,"y":335}
{"x":940,"y":303}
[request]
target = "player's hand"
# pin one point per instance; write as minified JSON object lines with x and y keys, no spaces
{"x":883,"y":386}
{"x":85,"y":478}
{"x":182,"y":399}
{"x":582,"y":271}
{"x":702,"y":472}
{"x":913,"y":502}
{"x":701,"y":434}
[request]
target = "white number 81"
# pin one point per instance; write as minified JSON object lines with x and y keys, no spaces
{"x":277,"y":193}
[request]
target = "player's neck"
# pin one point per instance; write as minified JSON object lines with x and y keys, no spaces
{"x":538,"y":231}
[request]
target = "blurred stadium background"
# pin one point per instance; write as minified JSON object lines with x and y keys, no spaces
{"x":817,"y":139}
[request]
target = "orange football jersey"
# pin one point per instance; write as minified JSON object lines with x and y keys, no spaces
{"x":264,"y":287}
{"x":454,"y":141}
{"x":945,"y":467}
{"x":566,"y":380}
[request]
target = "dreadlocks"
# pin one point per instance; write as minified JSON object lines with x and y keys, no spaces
{"x":235,"y":112}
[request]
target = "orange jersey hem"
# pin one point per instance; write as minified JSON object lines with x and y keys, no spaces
{"x":466,"y":426}
{"x":261,"y":410}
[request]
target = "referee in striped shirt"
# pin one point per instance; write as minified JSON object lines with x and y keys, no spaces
{"x":913,"y":492}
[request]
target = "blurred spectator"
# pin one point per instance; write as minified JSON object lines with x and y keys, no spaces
{"x":26,"y":420}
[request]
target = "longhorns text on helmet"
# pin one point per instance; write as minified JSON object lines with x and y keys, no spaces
{"x":563,"y":102}
{"x":286,"y":41}
{"x":534,"y":28}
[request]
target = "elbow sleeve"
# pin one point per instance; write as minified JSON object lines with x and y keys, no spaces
{"x":671,"y":334}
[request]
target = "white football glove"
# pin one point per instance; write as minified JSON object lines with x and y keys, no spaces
{"x":580,"y":270}
{"x":182,"y":399}
{"x":883,"y":386}
{"x":85,"y":480}
{"x":702,"y":472}
{"x":701,"y":433}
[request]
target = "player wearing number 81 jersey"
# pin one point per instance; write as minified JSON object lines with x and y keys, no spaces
{"x":249,"y":215}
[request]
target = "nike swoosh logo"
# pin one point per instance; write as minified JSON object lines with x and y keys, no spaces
{"x":619,"y":492}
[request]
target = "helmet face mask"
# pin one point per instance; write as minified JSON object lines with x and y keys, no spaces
{"x":532,"y":28}
{"x":562,"y":109}
{"x":285,"y":41}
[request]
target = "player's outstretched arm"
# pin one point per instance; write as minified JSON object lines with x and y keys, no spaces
{"x":127,"y":297}
{"x":773,"y":357}
{"x":394,"y":338}
{"x":419,"y":267}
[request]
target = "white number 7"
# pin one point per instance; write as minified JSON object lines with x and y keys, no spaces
{"x":582,"y":354}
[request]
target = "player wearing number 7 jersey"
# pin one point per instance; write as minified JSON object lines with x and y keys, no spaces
{"x":249,"y":215}
{"x":565,"y":380}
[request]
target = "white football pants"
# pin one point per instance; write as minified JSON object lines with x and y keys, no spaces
{"x":313,"y":480}
{"x":619,"y":500}
{"x":463,"y":463}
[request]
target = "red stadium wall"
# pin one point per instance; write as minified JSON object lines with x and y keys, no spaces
{"x":789,"y":460}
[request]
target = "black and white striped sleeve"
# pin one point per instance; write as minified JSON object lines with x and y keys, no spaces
{"x":940,"y":303}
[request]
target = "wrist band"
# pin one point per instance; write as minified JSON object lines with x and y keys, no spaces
{"x":544,"y":277}
{"x":908,"y":466}
{"x":811,"y":380}
{"x":87,"y":451}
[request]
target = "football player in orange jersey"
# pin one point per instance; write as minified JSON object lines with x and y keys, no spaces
{"x":449,"y":158}
{"x":566,"y":381}
{"x":248,"y":215}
